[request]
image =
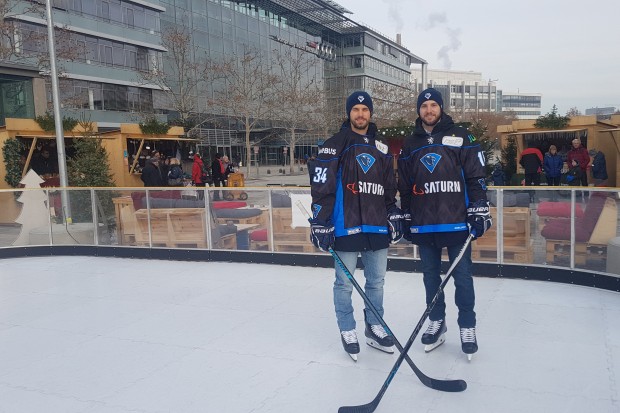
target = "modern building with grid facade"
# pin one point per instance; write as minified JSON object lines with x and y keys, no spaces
{"x":112,"y":44}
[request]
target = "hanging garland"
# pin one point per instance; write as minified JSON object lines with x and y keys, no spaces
{"x":396,"y":131}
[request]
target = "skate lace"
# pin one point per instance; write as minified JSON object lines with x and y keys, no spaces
{"x":434,"y":327}
{"x":468,"y":335}
{"x":349,"y":336}
{"x":378,"y":330}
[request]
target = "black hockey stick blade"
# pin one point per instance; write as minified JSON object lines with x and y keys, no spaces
{"x":372,"y":406}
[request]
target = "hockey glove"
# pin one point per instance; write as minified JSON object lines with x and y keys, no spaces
{"x":407,"y":221}
{"x":479,"y":218}
{"x":396,"y":224}
{"x":322,"y":235}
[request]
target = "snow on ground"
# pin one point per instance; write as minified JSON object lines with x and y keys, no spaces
{"x":107,"y":335}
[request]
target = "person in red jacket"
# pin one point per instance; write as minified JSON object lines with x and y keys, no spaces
{"x":198,"y":171}
{"x":578,"y":155}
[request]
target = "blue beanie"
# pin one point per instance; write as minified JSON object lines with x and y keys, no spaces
{"x":430,"y":94}
{"x":358,"y":98}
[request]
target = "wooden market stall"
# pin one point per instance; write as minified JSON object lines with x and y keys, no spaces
{"x":123,"y":146}
{"x":593,"y":133}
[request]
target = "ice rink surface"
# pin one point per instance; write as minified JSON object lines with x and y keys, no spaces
{"x":107,"y":335}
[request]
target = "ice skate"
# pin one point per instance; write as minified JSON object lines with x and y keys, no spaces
{"x":469,"y":344}
{"x":377,"y":337}
{"x":435,"y":335}
{"x":350,"y":343}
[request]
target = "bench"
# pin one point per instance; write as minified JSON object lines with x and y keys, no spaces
{"x":593,"y":231}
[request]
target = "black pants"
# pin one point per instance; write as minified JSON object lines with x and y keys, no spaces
{"x":217,"y":182}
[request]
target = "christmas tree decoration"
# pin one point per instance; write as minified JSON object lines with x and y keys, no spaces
{"x":34,"y":213}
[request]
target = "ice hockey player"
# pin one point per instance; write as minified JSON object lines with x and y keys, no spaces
{"x":443,"y":197}
{"x":354,"y":212}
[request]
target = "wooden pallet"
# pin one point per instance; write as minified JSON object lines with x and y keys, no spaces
{"x":509,"y":256}
{"x":294,"y":247}
{"x":559,"y":251}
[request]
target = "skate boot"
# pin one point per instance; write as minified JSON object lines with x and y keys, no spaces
{"x":377,"y":337}
{"x":468,"y":341}
{"x":350,"y":343}
{"x":434,"y":336}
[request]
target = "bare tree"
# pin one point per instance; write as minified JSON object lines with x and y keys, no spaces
{"x":394,"y":104}
{"x":298,"y":94}
{"x":572,"y":112}
{"x":242,"y":90}
{"x":182,"y":76}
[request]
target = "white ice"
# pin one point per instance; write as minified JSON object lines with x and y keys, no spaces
{"x":107,"y":335}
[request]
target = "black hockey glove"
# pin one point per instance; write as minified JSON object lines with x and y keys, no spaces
{"x":322,"y":235}
{"x":396,"y":224}
{"x":407,"y":224}
{"x":479,"y":218}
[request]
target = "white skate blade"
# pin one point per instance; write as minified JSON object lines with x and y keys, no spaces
{"x":469,"y":356}
{"x":430,"y":347}
{"x":353,"y":356}
{"x":372,"y":343}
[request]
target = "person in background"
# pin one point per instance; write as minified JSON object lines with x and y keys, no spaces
{"x":578,"y":155}
{"x":175,"y":173}
{"x":553,"y":165}
{"x":44,"y":165}
{"x":498,"y":176}
{"x":599,"y":168}
{"x":354,"y":212}
{"x":442,"y":186}
{"x":198,"y":171}
{"x":218,"y":175}
{"x":532,"y":161}
{"x":151,"y":174}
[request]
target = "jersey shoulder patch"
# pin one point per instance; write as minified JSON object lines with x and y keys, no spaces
{"x":383,"y":148}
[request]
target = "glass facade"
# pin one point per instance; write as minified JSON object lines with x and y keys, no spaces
{"x":16,"y":97}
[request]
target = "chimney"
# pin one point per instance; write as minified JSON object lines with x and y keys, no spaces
{"x":398,"y":41}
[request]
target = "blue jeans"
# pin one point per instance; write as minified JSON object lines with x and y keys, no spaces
{"x":464,"y":295}
{"x":375,"y":265}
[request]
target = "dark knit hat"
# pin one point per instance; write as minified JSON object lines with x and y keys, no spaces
{"x":358,"y":98}
{"x":430,"y":94}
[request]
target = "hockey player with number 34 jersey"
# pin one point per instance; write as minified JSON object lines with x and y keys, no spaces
{"x":354,"y":212}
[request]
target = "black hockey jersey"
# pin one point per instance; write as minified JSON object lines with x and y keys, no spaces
{"x":353,"y":183}
{"x":439,"y":175}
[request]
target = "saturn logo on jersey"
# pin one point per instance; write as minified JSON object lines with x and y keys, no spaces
{"x":366,"y":188}
{"x":366,"y":161}
{"x":430,"y":161}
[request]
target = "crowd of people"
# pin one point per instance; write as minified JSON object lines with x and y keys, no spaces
{"x":571,"y":167}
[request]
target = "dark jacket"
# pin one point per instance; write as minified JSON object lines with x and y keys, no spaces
{"x":531,"y":160}
{"x":151,"y":175}
{"x":175,"y":176}
{"x":353,"y":186}
{"x":553,"y":165}
{"x":599,"y":166}
{"x":498,"y":176}
{"x":218,"y":171}
{"x":439,"y":176}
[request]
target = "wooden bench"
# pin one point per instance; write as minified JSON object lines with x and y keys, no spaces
{"x":593,"y":247}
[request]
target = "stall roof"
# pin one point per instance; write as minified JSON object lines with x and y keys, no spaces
{"x":547,"y":131}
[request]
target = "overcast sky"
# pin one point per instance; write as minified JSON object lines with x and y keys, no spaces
{"x":567,"y":52}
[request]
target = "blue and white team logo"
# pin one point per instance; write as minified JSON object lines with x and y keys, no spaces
{"x":366,"y":161}
{"x":430,"y":161}
{"x":315,"y":210}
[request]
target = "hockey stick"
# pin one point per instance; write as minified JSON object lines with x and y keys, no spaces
{"x":371,"y":407}
{"x":441,"y":385}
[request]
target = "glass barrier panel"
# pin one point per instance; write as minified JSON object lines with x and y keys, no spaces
{"x":26,"y":217}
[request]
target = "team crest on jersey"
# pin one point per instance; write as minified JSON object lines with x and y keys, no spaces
{"x":471,"y":138}
{"x":366,"y":161}
{"x":315,"y":210}
{"x":482,"y":183}
{"x":430,"y":161}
